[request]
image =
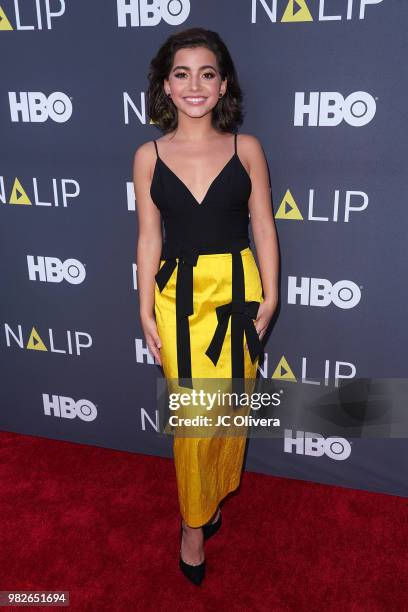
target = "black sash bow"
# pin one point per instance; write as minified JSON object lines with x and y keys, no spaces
{"x":241,"y":312}
{"x":244,"y":312}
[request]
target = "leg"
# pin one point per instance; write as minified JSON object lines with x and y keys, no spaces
{"x":192,"y":544}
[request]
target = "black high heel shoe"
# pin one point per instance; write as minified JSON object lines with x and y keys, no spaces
{"x":195,"y":573}
{"x":211,"y":529}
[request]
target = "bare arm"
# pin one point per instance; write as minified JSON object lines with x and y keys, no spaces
{"x":263,"y":229}
{"x":149,"y":243}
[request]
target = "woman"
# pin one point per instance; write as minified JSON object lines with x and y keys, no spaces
{"x":203,"y":307}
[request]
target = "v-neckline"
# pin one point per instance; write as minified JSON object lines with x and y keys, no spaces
{"x":211,"y":183}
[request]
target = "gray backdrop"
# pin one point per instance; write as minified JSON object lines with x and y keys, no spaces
{"x":326,"y":96}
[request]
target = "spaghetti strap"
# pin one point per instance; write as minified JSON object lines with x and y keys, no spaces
{"x":155,"y":144}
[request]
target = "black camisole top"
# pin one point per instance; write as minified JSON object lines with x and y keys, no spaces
{"x":217,"y":224}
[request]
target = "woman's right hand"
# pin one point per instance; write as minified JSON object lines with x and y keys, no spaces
{"x":152,"y":337}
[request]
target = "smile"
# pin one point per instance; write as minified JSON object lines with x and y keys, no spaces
{"x":195,"y":100}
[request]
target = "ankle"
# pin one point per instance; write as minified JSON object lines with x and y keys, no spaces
{"x":195,"y":531}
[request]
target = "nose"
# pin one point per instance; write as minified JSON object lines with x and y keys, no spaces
{"x":195,"y":82}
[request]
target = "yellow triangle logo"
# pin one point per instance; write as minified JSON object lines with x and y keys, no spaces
{"x":4,"y":22}
{"x":297,"y":10}
{"x":35,"y":343}
{"x":283,"y":371}
{"x":288,"y":209}
{"x":18,"y":195}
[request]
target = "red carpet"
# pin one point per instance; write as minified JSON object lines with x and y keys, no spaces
{"x":104,"y":525}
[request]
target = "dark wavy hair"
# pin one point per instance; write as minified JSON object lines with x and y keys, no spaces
{"x":227,"y":114}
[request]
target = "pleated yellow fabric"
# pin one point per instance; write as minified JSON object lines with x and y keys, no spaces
{"x":207,"y":468}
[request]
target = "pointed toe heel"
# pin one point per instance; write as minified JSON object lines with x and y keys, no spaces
{"x":195,"y":573}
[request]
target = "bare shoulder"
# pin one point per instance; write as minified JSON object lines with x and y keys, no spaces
{"x":250,"y":151}
{"x":144,"y":155}
{"x":249,"y":144}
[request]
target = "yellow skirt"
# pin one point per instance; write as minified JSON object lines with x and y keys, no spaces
{"x":207,"y":468}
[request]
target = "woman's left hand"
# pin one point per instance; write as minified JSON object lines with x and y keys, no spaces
{"x":264,"y":315}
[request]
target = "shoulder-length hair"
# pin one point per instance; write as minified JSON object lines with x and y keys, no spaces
{"x":228,"y":112}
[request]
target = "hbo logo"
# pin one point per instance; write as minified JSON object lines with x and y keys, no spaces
{"x":150,"y":13}
{"x":328,"y":108}
{"x":321,"y":292}
{"x":53,"y":270}
{"x":36,"y":107}
{"x":67,"y":408}
{"x":315,"y":445}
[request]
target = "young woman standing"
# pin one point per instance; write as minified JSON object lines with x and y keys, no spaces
{"x":203,"y":306}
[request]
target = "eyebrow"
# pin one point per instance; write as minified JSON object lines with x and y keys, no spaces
{"x":187,"y":68}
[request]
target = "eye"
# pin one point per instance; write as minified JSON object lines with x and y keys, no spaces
{"x":210,"y":74}
{"x":178,"y":74}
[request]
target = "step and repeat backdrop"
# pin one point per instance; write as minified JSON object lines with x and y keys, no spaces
{"x":325,"y":93}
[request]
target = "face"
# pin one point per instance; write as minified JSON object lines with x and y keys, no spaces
{"x":194,"y":81}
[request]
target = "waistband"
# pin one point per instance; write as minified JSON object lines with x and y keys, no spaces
{"x":190,"y":253}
